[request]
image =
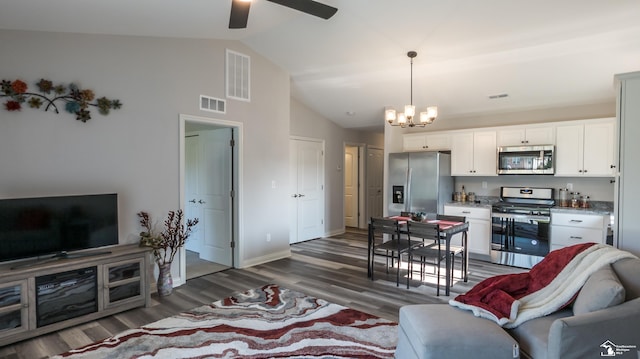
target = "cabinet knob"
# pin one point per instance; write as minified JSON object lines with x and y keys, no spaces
{"x":575,"y":237}
{"x":193,"y":200}
{"x":613,"y":166}
{"x":201,"y":202}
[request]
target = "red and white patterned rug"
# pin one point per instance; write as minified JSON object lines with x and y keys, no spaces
{"x":267,"y":322}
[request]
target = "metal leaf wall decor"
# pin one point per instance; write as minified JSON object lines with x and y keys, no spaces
{"x":75,"y":99}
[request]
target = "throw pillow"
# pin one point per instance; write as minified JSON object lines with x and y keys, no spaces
{"x":602,"y":290}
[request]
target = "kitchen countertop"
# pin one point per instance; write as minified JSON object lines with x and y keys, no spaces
{"x":597,"y":207}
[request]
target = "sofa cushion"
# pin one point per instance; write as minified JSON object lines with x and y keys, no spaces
{"x":627,"y":272}
{"x":602,"y":290}
{"x":440,"y":331}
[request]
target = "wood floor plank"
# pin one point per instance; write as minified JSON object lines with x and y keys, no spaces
{"x":334,"y":269}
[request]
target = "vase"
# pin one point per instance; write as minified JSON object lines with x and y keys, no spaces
{"x":165,"y":281}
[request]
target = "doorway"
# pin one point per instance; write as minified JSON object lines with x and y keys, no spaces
{"x":363,"y":184}
{"x":209,"y":191}
{"x":354,"y":197}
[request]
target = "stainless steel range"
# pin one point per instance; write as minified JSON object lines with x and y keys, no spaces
{"x":520,"y":226}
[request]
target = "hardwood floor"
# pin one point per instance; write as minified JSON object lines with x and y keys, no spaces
{"x":330,"y":268}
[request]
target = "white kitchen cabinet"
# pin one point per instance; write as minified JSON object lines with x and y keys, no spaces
{"x":426,"y":142}
{"x":479,"y":234}
{"x":526,"y":135}
{"x":572,"y":228}
{"x":586,"y":149}
{"x":473,"y":153}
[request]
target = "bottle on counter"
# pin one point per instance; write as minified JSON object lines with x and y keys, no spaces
{"x":463,"y":195}
{"x":471,"y":197}
{"x":575,"y":199}
{"x":585,"y":202}
{"x":563,"y":197}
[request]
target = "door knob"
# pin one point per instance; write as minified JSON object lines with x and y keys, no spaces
{"x":193,"y":201}
{"x":201,"y":202}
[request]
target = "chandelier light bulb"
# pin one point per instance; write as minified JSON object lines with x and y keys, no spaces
{"x":390,"y":115}
{"x":409,"y":111}
{"x":402,"y":119}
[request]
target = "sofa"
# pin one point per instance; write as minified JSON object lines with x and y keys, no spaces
{"x":602,"y":321}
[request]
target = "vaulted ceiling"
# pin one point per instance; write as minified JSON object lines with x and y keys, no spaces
{"x":541,"y":53}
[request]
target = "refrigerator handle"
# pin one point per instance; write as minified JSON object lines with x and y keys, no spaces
{"x":407,"y":195}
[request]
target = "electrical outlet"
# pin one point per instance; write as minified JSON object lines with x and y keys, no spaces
{"x":570,"y":186}
{"x":268,"y":237}
{"x":273,"y":184}
{"x":484,"y":184}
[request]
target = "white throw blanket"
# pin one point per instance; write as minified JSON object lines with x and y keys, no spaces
{"x":513,"y":299}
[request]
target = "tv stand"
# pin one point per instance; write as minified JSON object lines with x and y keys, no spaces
{"x":122,"y":284}
{"x":59,"y":256}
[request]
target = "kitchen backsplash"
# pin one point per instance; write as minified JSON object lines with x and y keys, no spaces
{"x":598,"y":189}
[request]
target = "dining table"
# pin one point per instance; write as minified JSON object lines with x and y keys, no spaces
{"x":448,"y":229}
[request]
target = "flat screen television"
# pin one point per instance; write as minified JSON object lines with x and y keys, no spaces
{"x":53,"y":226}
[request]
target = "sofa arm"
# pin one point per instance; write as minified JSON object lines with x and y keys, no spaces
{"x":581,"y":336}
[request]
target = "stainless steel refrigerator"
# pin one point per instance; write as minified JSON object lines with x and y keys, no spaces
{"x":419,"y":182}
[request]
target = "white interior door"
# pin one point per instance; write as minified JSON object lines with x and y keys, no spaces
{"x":215,"y":196}
{"x":375,"y":164}
{"x":351,"y":186}
{"x":191,"y":188}
{"x":307,"y":179}
{"x":208,"y":193}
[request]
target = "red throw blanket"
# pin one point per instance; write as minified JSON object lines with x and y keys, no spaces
{"x":512,"y":299}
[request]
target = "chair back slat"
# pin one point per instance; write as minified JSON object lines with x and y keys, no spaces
{"x":423,"y":230}
{"x":384,"y":226}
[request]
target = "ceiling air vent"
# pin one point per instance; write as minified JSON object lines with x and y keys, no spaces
{"x":238,"y":75}
{"x":213,"y":104}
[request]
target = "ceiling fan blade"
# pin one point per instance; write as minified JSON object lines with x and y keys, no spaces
{"x":239,"y":14}
{"x":309,"y":6}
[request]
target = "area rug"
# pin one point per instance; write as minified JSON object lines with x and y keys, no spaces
{"x":267,"y":322}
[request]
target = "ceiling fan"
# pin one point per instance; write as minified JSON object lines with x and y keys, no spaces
{"x":240,"y":10}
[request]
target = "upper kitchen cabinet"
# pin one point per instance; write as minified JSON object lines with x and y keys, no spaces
{"x":426,"y":142}
{"x":586,"y":148}
{"x":526,"y":135}
{"x":473,"y":153}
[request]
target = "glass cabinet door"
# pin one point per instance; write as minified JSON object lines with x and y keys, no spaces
{"x":13,"y":307}
{"x":123,"y":281}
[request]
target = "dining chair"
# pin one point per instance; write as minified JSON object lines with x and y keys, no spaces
{"x":392,"y":246}
{"x":455,"y":250}
{"x":433,"y":249}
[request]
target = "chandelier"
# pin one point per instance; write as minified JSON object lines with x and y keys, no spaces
{"x":406,"y":118}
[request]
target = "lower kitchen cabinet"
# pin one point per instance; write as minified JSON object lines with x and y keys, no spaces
{"x":479,"y":219}
{"x":573,"y":228}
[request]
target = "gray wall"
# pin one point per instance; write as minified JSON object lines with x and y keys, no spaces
{"x":134,"y":151}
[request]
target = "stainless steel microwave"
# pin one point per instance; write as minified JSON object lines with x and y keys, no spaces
{"x":518,"y":160}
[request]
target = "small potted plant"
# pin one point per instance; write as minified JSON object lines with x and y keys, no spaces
{"x":166,"y":244}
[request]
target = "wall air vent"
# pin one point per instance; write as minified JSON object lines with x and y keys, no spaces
{"x":500,"y":95}
{"x":238,"y":76}
{"x":208,"y":103}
